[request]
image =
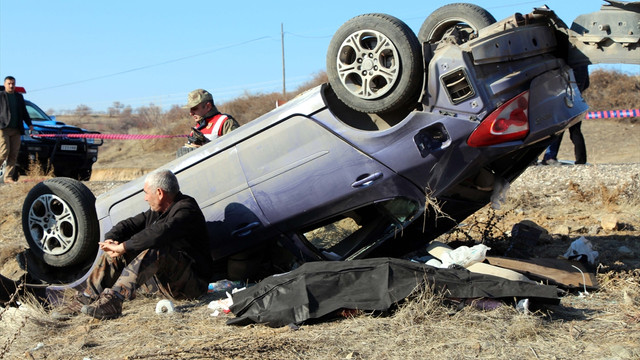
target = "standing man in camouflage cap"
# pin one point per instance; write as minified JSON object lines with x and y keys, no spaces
{"x":210,"y":123}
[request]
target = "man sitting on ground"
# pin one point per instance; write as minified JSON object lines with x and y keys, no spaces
{"x":164,"y":249}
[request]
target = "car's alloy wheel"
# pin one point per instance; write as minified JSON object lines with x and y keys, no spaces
{"x":60,"y":223}
{"x":374,"y":64}
{"x":467,"y":19}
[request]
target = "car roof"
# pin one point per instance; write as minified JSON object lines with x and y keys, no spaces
{"x":18,"y":89}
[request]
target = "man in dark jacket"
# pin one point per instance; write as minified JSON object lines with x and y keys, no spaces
{"x":13,"y":112}
{"x":165,"y":249}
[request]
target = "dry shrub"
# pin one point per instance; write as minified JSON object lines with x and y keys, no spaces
{"x":174,"y":122}
{"x":630,"y":192}
{"x":523,"y":328}
{"x":423,"y":306}
{"x":36,"y":171}
{"x":16,"y":320}
{"x":622,"y":286}
{"x":318,"y":79}
{"x":251,"y":106}
{"x":609,"y":197}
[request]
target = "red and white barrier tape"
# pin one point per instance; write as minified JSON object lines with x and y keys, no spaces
{"x":109,"y":136}
{"x":612,"y":114}
{"x":588,"y":115}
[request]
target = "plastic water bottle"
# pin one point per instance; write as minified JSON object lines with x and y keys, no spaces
{"x":223,"y":286}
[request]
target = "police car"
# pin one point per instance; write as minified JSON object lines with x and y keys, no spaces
{"x":64,"y":156}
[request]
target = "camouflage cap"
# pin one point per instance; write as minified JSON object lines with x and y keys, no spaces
{"x":196,"y":97}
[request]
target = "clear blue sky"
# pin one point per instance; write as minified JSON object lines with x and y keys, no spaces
{"x":94,"y":53}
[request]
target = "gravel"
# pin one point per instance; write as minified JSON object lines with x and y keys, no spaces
{"x":553,"y":178}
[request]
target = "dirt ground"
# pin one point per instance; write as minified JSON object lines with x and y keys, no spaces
{"x":567,"y":201}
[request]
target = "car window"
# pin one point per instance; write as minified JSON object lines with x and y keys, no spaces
{"x":35,"y":113}
{"x":353,"y":234}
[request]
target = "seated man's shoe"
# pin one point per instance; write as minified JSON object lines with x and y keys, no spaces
{"x":108,"y":306}
{"x":71,"y":307}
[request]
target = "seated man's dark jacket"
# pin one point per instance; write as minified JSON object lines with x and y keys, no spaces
{"x":182,"y":227}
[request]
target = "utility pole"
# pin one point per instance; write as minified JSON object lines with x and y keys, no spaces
{"x":284,"y":89}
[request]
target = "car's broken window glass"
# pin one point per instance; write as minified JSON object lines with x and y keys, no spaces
{"x":402,"y":209}
{"x":358,"y":230}
{"x":331,"y":234}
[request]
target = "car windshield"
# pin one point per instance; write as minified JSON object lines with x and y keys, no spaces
{"x":36,"y":114}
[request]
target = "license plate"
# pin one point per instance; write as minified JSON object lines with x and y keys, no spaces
{"x":68,"y":147}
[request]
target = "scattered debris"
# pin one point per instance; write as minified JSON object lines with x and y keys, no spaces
{"x":221,"y":305}
{"x":524,"y":237}
{"x":165,"y":306}
{"x":580,"y":248}
{"x":222,"y":286}
{"x":564,"y":273}
{"x":523,"y":306}
{"x":439,"y":249}
{"x":464,"y":256}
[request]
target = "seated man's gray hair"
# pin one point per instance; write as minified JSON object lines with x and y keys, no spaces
{"x":163,"y":179}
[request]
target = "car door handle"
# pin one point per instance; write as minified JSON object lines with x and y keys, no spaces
{"x":245,"y":230}
{"x":368,"y":180}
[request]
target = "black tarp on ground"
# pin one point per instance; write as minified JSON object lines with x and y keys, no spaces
{"x":317,"y":289}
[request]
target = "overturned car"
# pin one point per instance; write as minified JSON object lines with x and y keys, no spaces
{"x":411,"y":135}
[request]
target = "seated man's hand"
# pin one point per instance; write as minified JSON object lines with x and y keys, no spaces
{"x":112,"y":248}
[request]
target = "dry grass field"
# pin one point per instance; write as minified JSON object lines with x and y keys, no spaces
{"x":567,"y":201}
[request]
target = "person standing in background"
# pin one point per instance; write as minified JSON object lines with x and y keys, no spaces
{"x":210,"y":123}
{"x":575,"y":133}
{"x":13,"y":112}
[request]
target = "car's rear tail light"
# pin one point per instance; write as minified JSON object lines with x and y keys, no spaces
{"x":508,"y":123}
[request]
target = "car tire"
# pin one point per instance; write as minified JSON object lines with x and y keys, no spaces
{"x":184,"y":150}
{"x":370,"y":78}
{"x":60,"y":223}
{"x":471,"y":17}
